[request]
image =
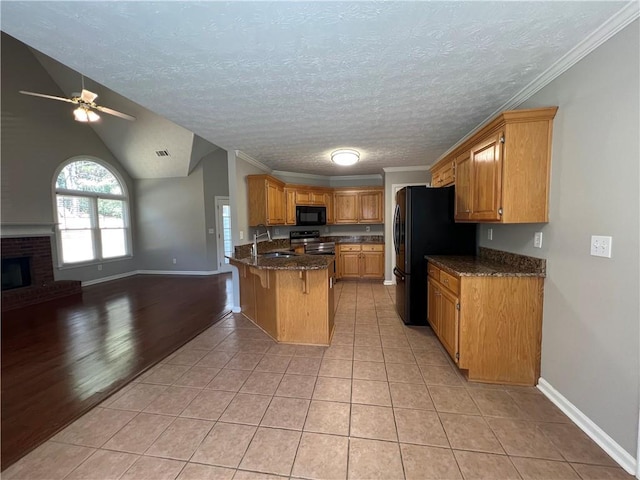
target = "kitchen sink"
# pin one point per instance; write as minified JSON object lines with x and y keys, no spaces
{"x":278,"y":255}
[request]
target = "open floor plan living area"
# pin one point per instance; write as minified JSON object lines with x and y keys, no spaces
{"x":320,"y":240}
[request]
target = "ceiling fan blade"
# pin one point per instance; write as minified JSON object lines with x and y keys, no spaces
{"x":87,"y":96}
{"x":52,"y":97}
{"x":114,"y":112}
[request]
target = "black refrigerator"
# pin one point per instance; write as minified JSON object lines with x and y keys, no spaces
{"x":423,"y":225}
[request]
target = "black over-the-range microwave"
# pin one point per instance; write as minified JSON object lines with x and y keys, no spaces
{"x":310,"y":215}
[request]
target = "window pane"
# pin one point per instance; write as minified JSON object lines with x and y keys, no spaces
{"x":114,"y":242}
{"x":77,"y":246}
{"x":74,"y":212}
{"x":88,"y":176}
{"x":110,"y":213}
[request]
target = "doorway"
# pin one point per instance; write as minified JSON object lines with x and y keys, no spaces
{"x":223,"y":229}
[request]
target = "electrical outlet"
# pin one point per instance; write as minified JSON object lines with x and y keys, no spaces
{"x":211,"y":231}
{"x":490,"y":234}
{"x":277,"y":231}
{"x":537,"y":240}
{"x":175,"y":261}
{"x":601,"y":246}
{"x":99,"y":267}
{"x":326,"y":229}
{"x":241,"y":234}
{"x":367,"y":228}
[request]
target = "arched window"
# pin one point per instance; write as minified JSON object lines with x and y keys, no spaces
{"x":93,"y":213}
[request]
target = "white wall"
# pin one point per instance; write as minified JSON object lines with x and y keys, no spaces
{"x":590,"y":338}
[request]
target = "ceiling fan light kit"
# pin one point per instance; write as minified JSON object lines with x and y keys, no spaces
{"x":83,"y":114}
{"x":345,"y":157}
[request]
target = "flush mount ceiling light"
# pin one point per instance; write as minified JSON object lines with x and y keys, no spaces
{"x":345,"y":157}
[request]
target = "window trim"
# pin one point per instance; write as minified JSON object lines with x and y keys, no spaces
{"x":97,"y":241}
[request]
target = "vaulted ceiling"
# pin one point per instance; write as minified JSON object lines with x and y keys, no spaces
{"x":288,"y":82}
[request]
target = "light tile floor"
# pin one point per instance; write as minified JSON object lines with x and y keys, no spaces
{"x":383,"y":401}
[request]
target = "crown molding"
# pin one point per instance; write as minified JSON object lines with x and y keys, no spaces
{"x":311,"y":176}
{"x":416,"y":168}
{"x":626,"y":15}
{"x":256,"y":163}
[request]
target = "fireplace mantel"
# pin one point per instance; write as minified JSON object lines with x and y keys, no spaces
{"x":17,"y":230}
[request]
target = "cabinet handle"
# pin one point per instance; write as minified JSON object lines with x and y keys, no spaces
{"x":466,"y":211}
{"x":446,"y":281}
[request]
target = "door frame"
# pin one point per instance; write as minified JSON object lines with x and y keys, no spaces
{"x":219,"y":202}
{"x":390,"y":252}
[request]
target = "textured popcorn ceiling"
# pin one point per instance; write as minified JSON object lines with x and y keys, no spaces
{"x":287,"y":82}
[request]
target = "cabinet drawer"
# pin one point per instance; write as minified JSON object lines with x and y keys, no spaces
{"x":434,"y":272}
{"x":449,"y":281}
{"x":372,"y":248}
{"x":349,"y":248}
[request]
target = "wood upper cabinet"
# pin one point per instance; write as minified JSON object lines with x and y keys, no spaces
{"x":443,"y":174}
{"x":463,"y":186}
{"x":345,"y":207}
{"x":486,"y":191}
{"x":328,"y":201}
{"x":290,"y":206}
{"x":266,"y":200}
{"x":363,"y":206}
{"x":504,"y":177}
{"x":310,"y":197}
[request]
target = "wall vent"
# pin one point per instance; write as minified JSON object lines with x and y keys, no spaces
{"x":162,"y":153}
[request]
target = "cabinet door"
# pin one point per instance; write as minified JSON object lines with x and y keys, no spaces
{"x":432,"y":306}
{"x":486,"y":160}
{"x":370,"y":207}
{"x":303,"y":197}
{"x":349,"y":264}
{"x":275,"y":204}
{"x":328,"y":201}
{"x":372,"y":265}
{"x":290,"y":206}
{"x":448,"y":326}
{"x":346,"y":208}
{"x":463,"y":187}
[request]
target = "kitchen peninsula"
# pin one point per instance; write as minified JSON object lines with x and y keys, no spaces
{"x":289,"y":296}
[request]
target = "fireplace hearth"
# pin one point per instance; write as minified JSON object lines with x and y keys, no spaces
{"x":27,"y":273}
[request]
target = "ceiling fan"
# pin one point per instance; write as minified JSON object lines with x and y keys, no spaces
{"x":86,"y":105}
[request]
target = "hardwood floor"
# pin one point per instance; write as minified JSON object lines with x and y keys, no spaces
{"x":61,"y":358}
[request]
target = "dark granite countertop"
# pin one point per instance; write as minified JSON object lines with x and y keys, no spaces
{"x":490,"y":263}
{"x":298,"y":262}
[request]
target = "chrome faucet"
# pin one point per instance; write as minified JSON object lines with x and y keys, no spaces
{"x":256,"y":236}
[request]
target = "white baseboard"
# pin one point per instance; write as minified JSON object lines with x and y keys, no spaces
{"x":109,"y":278}
{"x":608,"y":444}
{"x":178,"y":272}
{"x":236,"y":310}
{"x":387,"y":283}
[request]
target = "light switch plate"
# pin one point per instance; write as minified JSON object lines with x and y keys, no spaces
{"x":537,"y":240}
{"x":241,"y":234}
{"x":211,"y":231}
{"x":489,"y":233}
{"x":601,"y":246}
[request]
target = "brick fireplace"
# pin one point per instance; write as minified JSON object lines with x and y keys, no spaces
{"x":36,"y":253}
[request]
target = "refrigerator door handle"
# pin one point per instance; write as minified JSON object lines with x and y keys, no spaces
{"x":396,"y":229}
{"x":398,"y":273}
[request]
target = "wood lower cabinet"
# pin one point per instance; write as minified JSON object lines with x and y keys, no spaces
{"x":266,"y":200}
{"x":490,"y":326}
{"x":292,"y":306}
{"x":360,"y":261}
